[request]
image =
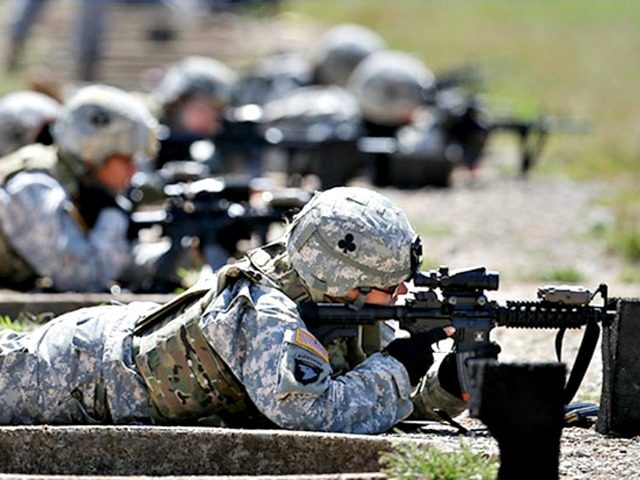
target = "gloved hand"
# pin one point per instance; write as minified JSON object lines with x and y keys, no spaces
{"x":92,"y":199}
{"x":415,"y":352}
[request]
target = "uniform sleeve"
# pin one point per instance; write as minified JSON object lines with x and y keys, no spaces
{"x":287,"y":374}
{"x":38,"y":223}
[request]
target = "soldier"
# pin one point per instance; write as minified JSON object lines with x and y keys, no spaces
{"x":61,"y":224}
{"x":392,"y":89}
{"x":192,"y":97}
{"x":25,"y":117}
{"x":390,"y":86}
{"x":235,"y":351}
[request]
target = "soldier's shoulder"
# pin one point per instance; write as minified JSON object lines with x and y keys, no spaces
{"x":28,"y":159}
{"x":35,"y":151}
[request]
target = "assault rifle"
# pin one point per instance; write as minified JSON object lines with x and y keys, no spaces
{"x":462,"y":303}
{"x":213,"y":214}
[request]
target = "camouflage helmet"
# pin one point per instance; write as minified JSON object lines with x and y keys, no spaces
{"x":340,"y":50}
{"x":349,"y":237}
{"x":389,"y":86}
{"x":100,"y":121}
{"x":195,"y":76}
{"x":23,"y":115}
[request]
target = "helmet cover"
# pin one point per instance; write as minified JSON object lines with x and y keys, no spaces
{"x":100,"y":121}
{"x":349,"y":237}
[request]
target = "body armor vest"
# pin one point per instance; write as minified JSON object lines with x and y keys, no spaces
{"x":187,"y":380}
{"x":15,"y":272}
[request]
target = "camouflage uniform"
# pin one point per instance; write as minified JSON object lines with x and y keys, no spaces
{"x":40,"y":236}
{"x":76,"y":369}
{"x":42,"y":233}
{"x":222,"y":353}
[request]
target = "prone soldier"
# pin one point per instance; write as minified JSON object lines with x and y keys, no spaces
{"x":235,"y":349}
{"x":62,"y":225}
{"x":192,"y":97}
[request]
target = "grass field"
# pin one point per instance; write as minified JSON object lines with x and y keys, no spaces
{"x":578,"y":59}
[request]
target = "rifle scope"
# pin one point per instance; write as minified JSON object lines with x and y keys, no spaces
{"x":473,"y":279}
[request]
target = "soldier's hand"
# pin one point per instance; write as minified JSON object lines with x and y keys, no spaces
{"x":415,"y":352}
{"x":92,"y":200}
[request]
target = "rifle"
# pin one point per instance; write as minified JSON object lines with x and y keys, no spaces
{"x":463,"y":304}
{"x":215,"y":213}
{"x":532,"y":134}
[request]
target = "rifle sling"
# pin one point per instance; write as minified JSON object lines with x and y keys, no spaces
{"x":559,"y":340}
{"x":581,"y":363}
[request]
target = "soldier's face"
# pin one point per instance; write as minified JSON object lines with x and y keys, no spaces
{"x":200,"y":117}
{"x":116,"y":173}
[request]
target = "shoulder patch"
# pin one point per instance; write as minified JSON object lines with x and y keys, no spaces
{"x":305,"y":339}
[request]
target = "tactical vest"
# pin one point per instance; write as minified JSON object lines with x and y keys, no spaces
{"x":188,"y":381}
{"x":15,"y":272}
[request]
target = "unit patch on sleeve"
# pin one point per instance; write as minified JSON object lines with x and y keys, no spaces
{"x":305,"y":339}
{"x":304,"y":366}
{"x":305,"y":372}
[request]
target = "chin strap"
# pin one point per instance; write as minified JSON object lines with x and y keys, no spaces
{"x":359,"y":301}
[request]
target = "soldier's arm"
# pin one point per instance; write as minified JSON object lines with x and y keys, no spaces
{"x":287,"y":373}
{"x":39,"y":223}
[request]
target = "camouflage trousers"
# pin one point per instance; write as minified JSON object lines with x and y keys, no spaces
{"x":76,"y":369}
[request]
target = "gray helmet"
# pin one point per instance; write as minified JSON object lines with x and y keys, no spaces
{"x":389,"y":85}
{"x":100,"y":121}
{"x":349,"y":237}
{"x":195,"y":76}
{"x":340,"y":50}
{"x":23,"y":115}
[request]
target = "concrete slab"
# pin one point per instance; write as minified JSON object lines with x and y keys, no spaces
{"x":186,"y":451}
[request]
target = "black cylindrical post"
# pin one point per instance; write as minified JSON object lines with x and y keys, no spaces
{"x":522,"y":405}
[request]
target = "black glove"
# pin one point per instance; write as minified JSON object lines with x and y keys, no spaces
{"x":415,"y":352}
{"x":92,"y":199}
{"x":448,"y":375}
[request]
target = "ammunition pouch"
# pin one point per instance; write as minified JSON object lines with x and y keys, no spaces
{"x":188,"y":381}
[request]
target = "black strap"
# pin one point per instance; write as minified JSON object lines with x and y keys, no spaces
{"x":583,"y":358}
{"x":559,"y":340}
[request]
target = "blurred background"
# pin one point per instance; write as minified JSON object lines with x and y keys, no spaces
{"x":575,"y":219}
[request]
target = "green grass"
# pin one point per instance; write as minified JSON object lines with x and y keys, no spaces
{"x":413,"y":462}
{"x":565,"y":275}
{"x":23,"y":323}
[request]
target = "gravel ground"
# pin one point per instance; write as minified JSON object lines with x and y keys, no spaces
{"x":527,"y":230}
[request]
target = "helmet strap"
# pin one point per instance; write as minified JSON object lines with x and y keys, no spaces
{"x":359,"y":301}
